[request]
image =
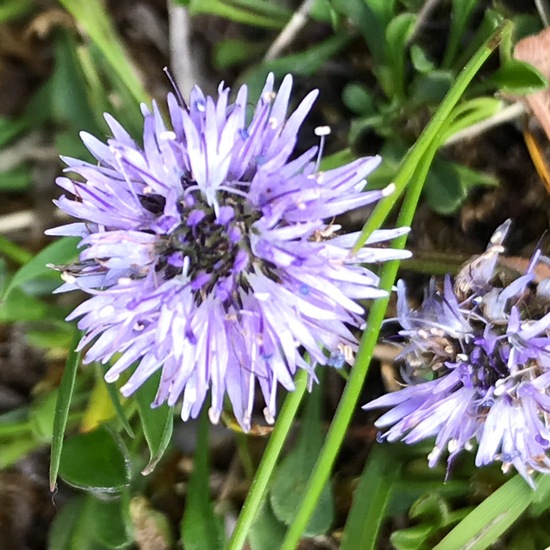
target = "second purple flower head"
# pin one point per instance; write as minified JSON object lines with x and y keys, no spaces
{"x":476,"y":364}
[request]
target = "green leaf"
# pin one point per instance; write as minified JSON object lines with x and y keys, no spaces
{"x":61,"y":251}
{"x":448,"y":184}
{"x":42,"y":415}
{"x":109,"y":521}
{"x":14,"y":9}
{"x":420,"y":60}
{"x":371,"y":17}
{"x":410,"y":488}
{"x":201,"y":529}
{"x":233,"y":51}
{"x":412,"y":538}
{"x":95,"y":461}
{"x":371,"y":498}
{"x":443,"y":195}
{"x":16,"y":253}
{"x":470,"y":112}
{"x":94,"y":20}
{"x":69,"y":102}
{"x":359,"y":99}
{"x":491,"y":20}
{"x":292,"y":474}
{"x":322,"y":11}
{"x":89,"y":523}
{"x":497,"y":513}
{"x":57,"y":337}
{"x":398,"y":33}
{"x":267,"y":532}
{"x":258,"y":13}
{"x":64,"y":397}
{"x":518,"y":77}
{"x":63,"y":533}
{"x":16,"y":449}
{"x":431,"y":88}
{"x":157,"y":423}
{"x":114,"y":395}
{"x":461,"y":13}
{"x":22,"y":307}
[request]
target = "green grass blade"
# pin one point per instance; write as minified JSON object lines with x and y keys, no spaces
{"x":258,"y":490}
{"x":201,"y":529}
{"x":93,"y":18}
{"x":14,"y":252}
{"x":370,"y":499}
{"x":62,"y":407}
{"x":483,"y":525}
{"x":431,"y":132}
{"x":415,"y":170}
{"x":61,"y":251}
{"x":157,"y":423}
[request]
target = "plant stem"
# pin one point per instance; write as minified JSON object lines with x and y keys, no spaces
{"x":417,"y":151}
{"x":415,"y":163}
{"x":269,"y":460}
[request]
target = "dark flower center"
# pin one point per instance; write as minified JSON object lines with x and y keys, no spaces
{"x":490,"y":365}
{"x":211,"y":244}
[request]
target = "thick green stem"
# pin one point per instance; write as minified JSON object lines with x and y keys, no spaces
{"x":267,"y":465}
{"x":431,"y":132}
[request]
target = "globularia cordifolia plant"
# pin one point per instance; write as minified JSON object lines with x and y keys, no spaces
{"x":476,"y":365}
{"x":209,"y":251}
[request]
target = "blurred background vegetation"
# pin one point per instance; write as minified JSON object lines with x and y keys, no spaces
{"x":382,"y":67}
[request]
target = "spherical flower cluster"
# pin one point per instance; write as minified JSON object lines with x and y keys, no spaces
{"x":209,"y":252}
{"x":477,"y":367}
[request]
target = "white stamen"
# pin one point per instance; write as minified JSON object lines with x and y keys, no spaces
{"x":389,"y":189}
{"x":269,"y":418}
{"x":452,"y":446}
{"x":434,"y":453}
{"x":213,"y":415}
{"x":322,"y":131}
{"x":168,"y":135}
{"x":68,"y":278}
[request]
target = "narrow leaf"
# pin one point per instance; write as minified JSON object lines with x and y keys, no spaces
{"x":371,"y":499}
{"x":92,"y":17}
{"x":482,"y":527}
{"x":62,"y":408}
{"x":200,"y":528}
{"x":61,"y":251}
{"x":293,"y":473}
{"x":95,"y":461}
{"x":157,"y":423}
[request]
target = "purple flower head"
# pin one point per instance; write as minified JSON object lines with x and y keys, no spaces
{"x":209,"y":253}
{"x":477,"y":367}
